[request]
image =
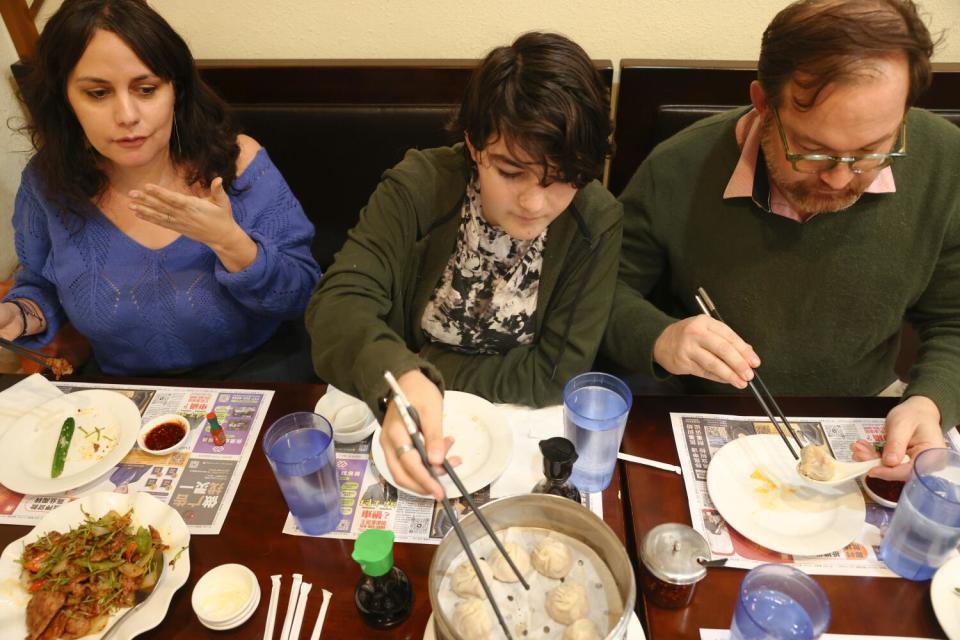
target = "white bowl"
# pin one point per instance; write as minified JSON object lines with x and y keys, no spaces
{"x":226,"y":596}
{"x":167,"y":417}
{"x":351,"y":418}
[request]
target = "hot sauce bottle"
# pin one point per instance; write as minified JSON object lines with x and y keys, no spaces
{"x":216,"y":431}
{"x":383,"y":595}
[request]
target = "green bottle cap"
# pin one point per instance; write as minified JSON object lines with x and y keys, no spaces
{"x":373,"y":551}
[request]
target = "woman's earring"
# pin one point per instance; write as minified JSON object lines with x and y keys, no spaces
{"x":176,"y":134}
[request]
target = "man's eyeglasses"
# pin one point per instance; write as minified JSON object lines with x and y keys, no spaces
{"x":818,"y":162}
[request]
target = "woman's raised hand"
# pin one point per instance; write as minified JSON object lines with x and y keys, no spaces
{"x":208,"y":220}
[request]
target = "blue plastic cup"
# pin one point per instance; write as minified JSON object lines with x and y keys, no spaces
{"x":300,"y":449}
{"x":778,"y":602}
{"x":925,"y":528}
{"x":595,"y":409}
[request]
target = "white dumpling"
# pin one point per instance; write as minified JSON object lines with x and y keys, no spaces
{"x":552,"y":558}
{"x":567,"y":603}
{"x":582,"y":629}
{"x":465,"y":583}
{"x":471,"y":620}
{"x":501,"y":568}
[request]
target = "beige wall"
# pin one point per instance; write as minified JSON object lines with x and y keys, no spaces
{"x":614,"y":29}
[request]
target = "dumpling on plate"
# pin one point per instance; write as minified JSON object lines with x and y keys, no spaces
{"x":568,"y":603}
{"x":471,"y":620}
{"x":501,"y":568}
{"x":464,"y":580}
{"x":552,"y":558}
{"x":582,"y":629}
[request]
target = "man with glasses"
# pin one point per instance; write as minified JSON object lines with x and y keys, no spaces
{"x":812,"y":223}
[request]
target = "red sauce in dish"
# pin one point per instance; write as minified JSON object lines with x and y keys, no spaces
{"x":886,"y":489}
{"x":164,"y":436}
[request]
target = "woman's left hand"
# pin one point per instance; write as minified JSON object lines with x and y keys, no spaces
{"x":208,"y":220}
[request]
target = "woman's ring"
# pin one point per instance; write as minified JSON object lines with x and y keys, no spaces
{"x":402,"y":449}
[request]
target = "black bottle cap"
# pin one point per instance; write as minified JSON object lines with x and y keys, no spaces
{"x":559,"y":455}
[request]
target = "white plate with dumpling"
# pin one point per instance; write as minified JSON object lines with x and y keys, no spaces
{"x":482,"y":439}
{"x":634,"y":630}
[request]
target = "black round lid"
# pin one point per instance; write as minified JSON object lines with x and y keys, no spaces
{"x":559,"y":454}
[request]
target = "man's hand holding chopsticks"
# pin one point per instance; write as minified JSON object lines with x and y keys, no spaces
{"x":708,"y":348}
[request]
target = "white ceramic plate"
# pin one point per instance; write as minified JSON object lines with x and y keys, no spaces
{"x":946,"y":601}
{"x":147,"y":510}
{"x":634,"y":629}
{"x":106,"y":429}
{"x":350,"y":417}
{"x":754,"y":484}
{"x":481,"y":439}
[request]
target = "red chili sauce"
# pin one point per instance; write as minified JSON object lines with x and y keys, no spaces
{"x":886,"y":489}
{"x":164,"y":436}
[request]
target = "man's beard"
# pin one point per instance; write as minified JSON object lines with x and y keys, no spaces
{"x":801,"y":196}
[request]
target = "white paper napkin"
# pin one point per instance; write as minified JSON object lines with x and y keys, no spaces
{"x":529,"y":427}
{"x":19,"y":399}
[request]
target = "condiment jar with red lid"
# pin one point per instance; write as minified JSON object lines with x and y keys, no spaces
{"x":671,"y":557}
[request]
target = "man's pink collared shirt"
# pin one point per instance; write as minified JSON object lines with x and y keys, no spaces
{"x":741,"y":182}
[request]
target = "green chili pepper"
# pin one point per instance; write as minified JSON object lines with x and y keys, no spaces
{"x":63,"y":446}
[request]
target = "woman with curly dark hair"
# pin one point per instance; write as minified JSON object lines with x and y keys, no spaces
{"x":171,"y":242}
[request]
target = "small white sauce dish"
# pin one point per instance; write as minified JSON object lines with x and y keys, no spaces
{"x":156,"y":422}
{"x":226,"y":596}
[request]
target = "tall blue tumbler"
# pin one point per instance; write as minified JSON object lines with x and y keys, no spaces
{"x":595,"y":409}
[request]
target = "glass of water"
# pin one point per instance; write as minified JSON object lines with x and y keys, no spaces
{"x":300,"y":449}
{"x":925,"y":528}
{"x":595,"y":409}
{"x":778,"y":602}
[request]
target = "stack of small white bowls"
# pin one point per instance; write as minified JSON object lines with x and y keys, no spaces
{"x":350,"y":417}
{"x":226,"y":596}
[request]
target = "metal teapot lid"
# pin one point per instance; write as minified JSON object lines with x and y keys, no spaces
{"x":674,"y":552}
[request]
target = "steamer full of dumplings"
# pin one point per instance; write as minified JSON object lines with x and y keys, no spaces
{"x":582,"y":582}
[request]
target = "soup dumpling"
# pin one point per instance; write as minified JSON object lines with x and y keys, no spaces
{"x":501,"y":568}
{"x":582,"y":629}
{"x":552,"y":558}
{"x":471,"y":620}
{"x":568,"y":603}
{"x":464,"y":580}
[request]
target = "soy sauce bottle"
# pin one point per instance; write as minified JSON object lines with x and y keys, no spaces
{"x":383,"y":595}
{"x":559,"y":454}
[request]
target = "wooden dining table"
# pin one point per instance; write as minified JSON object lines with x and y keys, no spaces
{"x":860,"y":605}
{"x":252,"y":535}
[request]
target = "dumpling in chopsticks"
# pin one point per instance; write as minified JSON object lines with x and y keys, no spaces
{"x":552,"y":558}
{"x":501,"y":568}
{"x":582,"y":629}
{"x":816,"y":462}
{"x":568,"y":603}
{"x":471,"y":620}
{"x":465,"y":583}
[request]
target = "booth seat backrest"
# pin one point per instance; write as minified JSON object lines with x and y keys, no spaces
{"x":333,"y":127}
{"x":658,"y":98}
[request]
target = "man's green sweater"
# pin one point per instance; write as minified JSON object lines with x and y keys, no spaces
{"x":821,"y":302}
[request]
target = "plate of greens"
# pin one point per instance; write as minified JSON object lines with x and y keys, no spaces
{"x":69,"y":441}
{"x":81,"y":563}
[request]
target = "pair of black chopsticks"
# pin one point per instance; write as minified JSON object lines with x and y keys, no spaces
{"x":760,"y":391}
{"x":40,"y":358}
{"x":411,"y":420}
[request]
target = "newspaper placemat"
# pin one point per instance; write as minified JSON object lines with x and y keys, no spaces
{"x":699,"y":436}
{"x":200,"y":482}
{"x":367,"y":501}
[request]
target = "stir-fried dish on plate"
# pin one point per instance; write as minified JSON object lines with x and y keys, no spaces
{"x":79,"y":578}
